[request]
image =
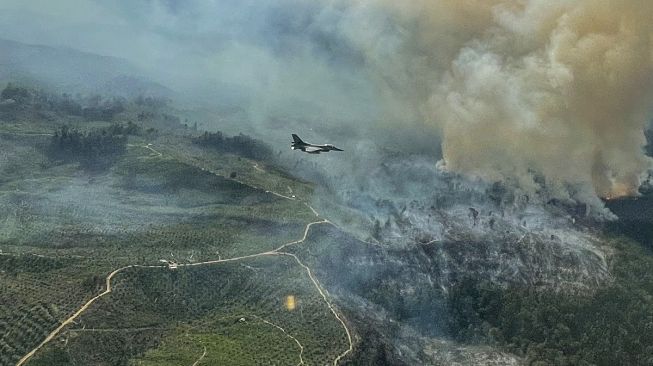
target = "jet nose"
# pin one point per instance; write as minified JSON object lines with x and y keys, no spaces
{"x":336,"y":149}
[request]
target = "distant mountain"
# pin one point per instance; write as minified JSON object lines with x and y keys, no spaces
{"x":73,"y":71}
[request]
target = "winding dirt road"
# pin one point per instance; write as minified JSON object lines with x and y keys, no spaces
{"x":201,"y":358}
{"x":275,"y":252}
{"x":301,"y":348}
{"x":79,"y":312}
{"x":326,"y":300}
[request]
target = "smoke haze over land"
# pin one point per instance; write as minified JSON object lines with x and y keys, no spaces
{"x":468,"y":218}
{"x":511,"y":90}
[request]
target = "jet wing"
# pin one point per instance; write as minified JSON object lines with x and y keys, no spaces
{"x":313,"y":150}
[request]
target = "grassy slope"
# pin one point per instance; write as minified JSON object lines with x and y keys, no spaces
{"x":179,"y":312}
{"x":64,"y":230}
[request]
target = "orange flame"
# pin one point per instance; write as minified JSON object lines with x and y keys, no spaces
{"x":620,"y":190}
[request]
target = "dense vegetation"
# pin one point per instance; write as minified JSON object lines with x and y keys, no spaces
{"x":95,"y":149}
{"x":241,"y":145}
{"x":15,"y":100}
{"x":164,"y":317}
{"x":27,"y":104}
{"x":614,"y":326}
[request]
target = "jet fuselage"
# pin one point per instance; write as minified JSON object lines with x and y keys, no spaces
{"x":309,"y":148}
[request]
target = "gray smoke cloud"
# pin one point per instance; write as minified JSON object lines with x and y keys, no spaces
{"x":558,"y":88}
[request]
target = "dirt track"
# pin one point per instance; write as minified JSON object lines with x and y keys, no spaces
{"x":276,"y":252}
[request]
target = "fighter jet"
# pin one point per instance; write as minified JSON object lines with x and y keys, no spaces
{"x":298,"y":144}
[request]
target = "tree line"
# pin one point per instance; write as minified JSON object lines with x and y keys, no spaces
{"x":96,"y":149}
{"x":16,"y":100}
{"x":241,"y":144}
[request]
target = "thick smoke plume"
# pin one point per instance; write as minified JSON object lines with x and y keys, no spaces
{"x":523,"y":89}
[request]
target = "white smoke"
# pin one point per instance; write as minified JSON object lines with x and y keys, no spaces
{"x":518,"y":88}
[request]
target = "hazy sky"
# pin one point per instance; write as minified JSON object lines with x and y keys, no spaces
{"x":279,"y":52}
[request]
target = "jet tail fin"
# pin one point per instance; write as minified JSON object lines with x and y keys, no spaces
{"x":296,"y":139}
